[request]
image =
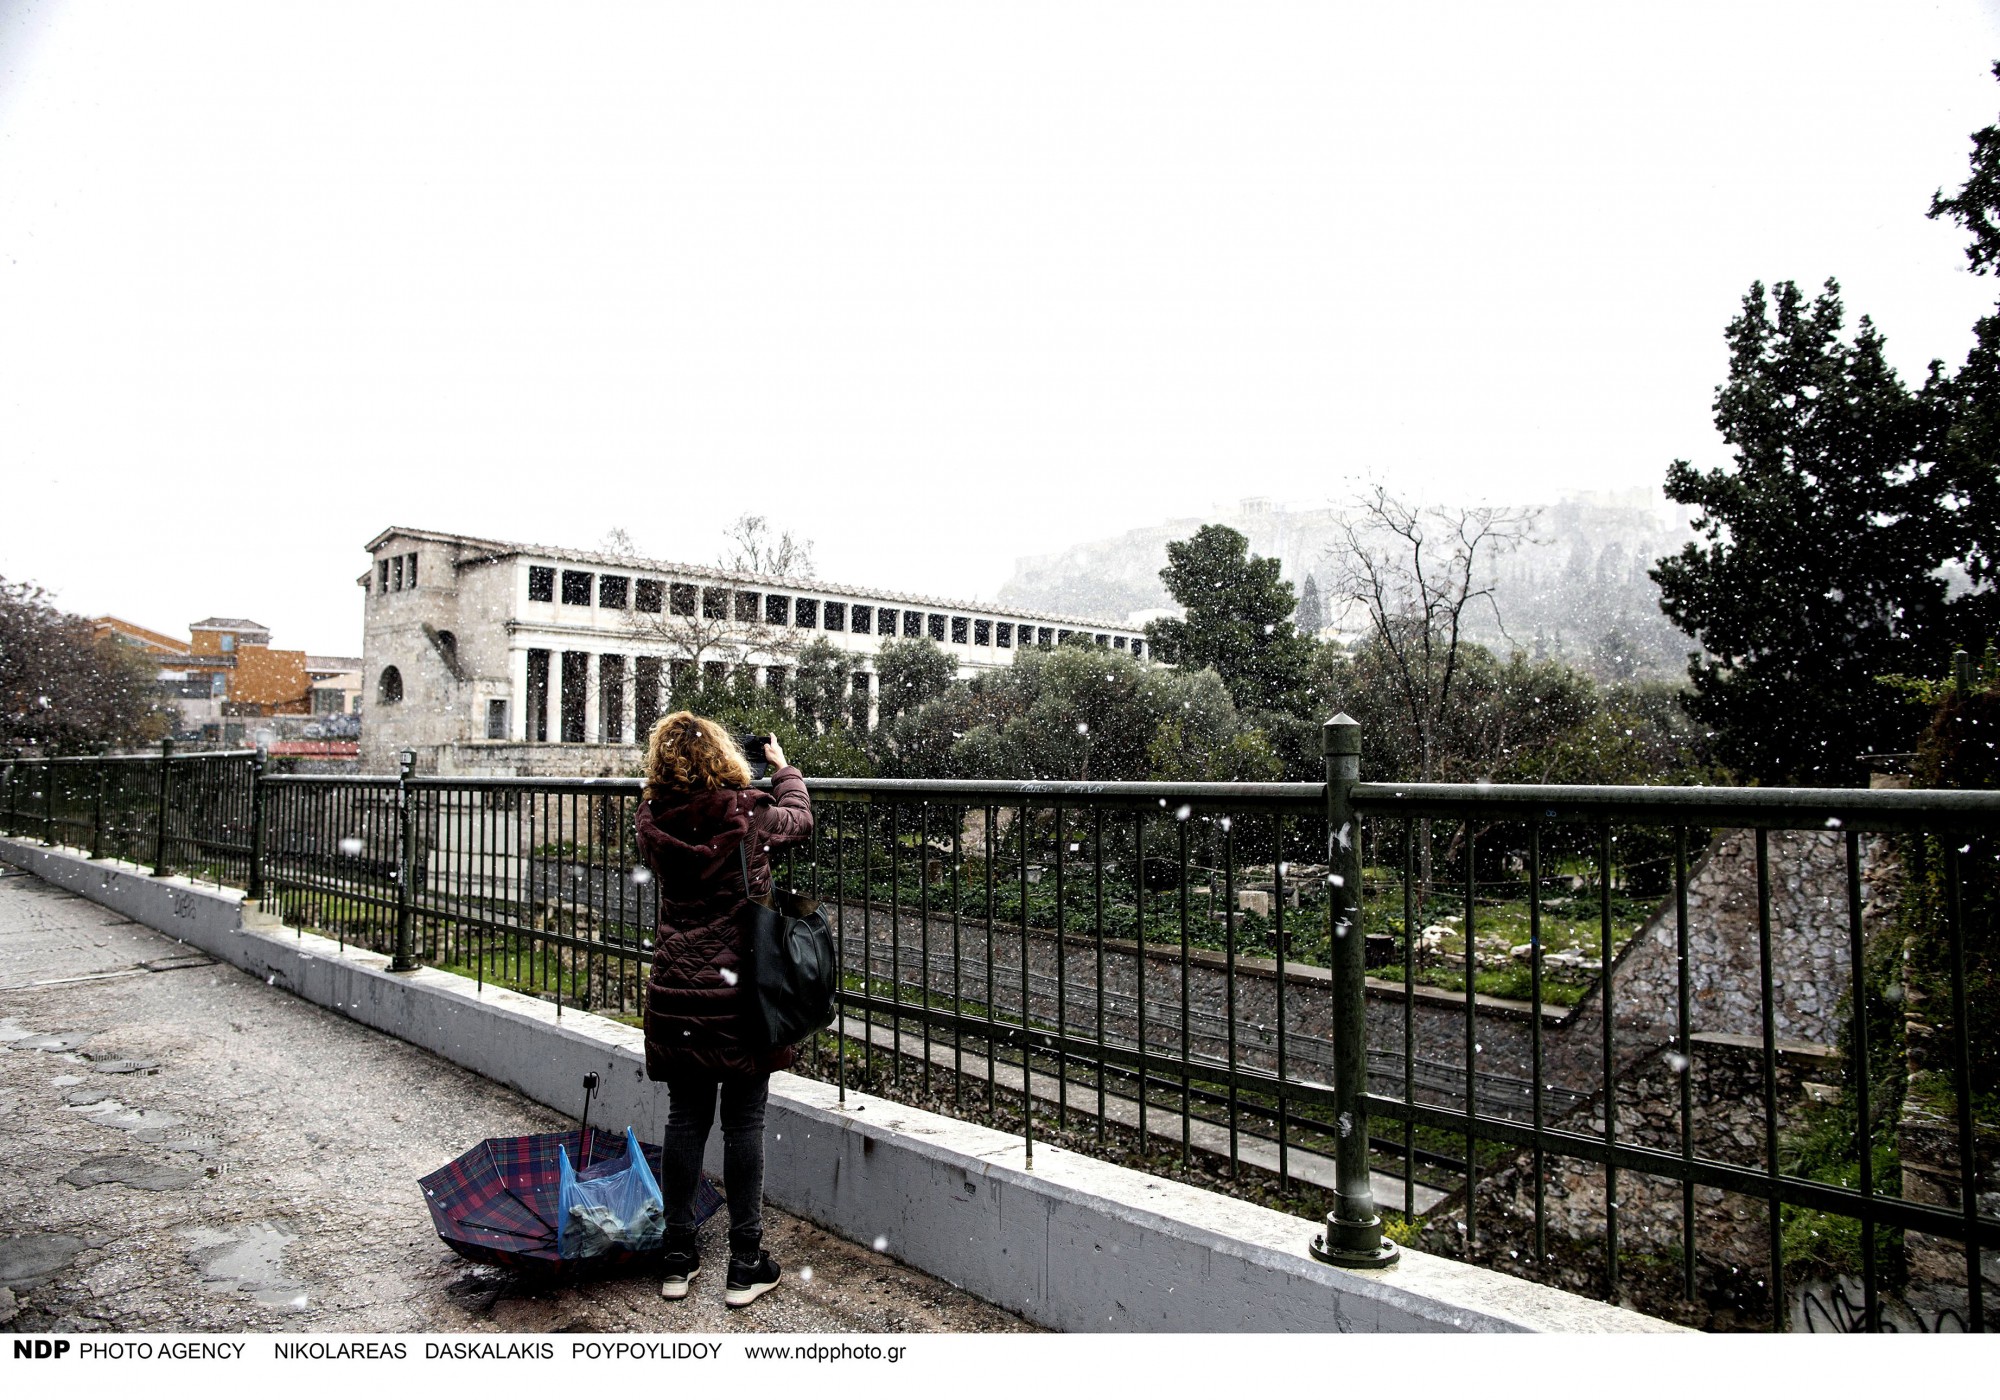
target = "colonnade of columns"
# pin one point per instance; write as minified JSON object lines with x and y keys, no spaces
{"x":542,"y":707}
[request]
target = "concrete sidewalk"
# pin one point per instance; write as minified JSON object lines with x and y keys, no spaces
{"x":184,"y":1148}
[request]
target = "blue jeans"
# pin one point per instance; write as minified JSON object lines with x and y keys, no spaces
{"x":691,"y":1099}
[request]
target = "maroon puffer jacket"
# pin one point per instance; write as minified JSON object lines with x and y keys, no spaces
{"x":694,"y":998}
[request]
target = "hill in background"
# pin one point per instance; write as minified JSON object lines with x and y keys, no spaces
{"x":1579,"y":591}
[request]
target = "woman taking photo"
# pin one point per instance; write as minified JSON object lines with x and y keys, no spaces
{"x":700,"y":827}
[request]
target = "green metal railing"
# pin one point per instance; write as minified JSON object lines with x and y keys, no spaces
{"x":1190,"y":962}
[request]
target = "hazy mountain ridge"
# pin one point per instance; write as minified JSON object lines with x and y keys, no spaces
{"x":1578,"y":591}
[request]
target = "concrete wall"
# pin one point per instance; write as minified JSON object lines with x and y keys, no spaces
{"x":1072,"y":1243}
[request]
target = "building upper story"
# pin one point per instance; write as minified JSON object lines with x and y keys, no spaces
{"x":477,"y":641}
{"x":227,"y":669}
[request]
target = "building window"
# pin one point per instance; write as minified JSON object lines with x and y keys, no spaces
{"x":982,"y":633}
{"x":646,"y":597}
{"x":777,"y":609}
{"x":612,"y":590}
{"x":538,"y":696}
{"x":958,"y":626}
{"x":575,"y":684}
{"x":715,"y":604}
{"x":611,"y":698}
{"x":885,"y":622}
{"x":1063,"y":636}
{"x":805,"y":612}
{"x":937,"y":623}
{"x":835,"y":617}
{"x":645,"y":696}
{"x":218,"y":685}
{"x":228,"y":641}
{"x":861,"y":618}
{"x":1138,"y":647}
{"x":775,"y":678}
{"x":496,"y":719}
{"x":396,"y":574}
{"x":913,"y":624}
{"x":857,"y":701}
{"x":576,"y":589}
{"x":541,"y":584}
{"x":680,"y":679}
{"x":714,"y":675}
{"x":1118,"y":642}
{"x":382,"y":575}
{"x":1103,"y":639}
{"x":1046,"y":636}
{"x":1003,"y":634}
{"x":389,"y":688}
{"x":746,"y":606}
{"x":448,"y":651}
{"x":681,"y":599}
{"x":413,"y":571}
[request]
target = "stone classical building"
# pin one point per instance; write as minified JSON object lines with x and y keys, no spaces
{"x":490,"y":657}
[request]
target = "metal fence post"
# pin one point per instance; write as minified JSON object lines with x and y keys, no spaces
{"x":405,"y":960}
{"x":49,"y":802}
{"x":1353,"y":1235}
{"x":160,"y":812}
{"x":256,"y":881}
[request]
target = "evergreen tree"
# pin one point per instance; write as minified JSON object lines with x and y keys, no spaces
{"x":1817,"y":566}
{"x":1311,"y":614}
{"x":1238,"y":620}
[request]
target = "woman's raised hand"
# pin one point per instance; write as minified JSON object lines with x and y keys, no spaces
{"x":774,"y":752}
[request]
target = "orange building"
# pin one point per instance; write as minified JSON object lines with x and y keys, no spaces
{"x":228,"y":662}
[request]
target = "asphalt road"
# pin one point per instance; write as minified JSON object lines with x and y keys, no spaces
{"x":183,"y":1148}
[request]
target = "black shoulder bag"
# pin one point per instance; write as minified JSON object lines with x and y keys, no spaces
{"x":793,"y":972}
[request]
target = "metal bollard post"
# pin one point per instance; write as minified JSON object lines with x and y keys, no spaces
{"x":49,"y":803}
{"x":256,"y":882}
{"x":160,"y":812}
{"x":1353,"y":1235}
{"x":405,"y":960}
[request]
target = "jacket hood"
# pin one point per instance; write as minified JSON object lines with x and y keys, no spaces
{"x":697,"y":835}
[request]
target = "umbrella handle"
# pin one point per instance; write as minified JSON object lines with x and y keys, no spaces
{"x":583,"y":1127}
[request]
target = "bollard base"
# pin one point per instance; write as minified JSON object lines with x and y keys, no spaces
{"x":1355,"y":1244}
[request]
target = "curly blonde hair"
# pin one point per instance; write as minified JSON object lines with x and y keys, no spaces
{"x":686,"y":753}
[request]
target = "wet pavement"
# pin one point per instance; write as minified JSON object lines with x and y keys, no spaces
{"x":184,"y":1148}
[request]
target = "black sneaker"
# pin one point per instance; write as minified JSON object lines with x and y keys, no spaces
{"x":750,"y":1279}
{"x":682,"y":1263}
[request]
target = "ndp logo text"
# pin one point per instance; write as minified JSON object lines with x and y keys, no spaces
{"x":40,"y":1350}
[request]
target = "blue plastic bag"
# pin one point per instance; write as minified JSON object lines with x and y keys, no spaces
{"x":615,"y":1205}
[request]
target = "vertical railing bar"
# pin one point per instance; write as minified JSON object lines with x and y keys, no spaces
{"x":1284,"y":974}
{"x":1768,"y":1017}
{"x":1968,"y":1143}
{"x":1139,"y":968}
{"x":868,"y":944}
{"x":1471,"y":1040}
{"x":1187,"y":1083}
{"x":992,"y":820}
{"x":957,"y":965}
{"x":1536,"y":1070}
{"x":1409,"y":1007}
{"x":1097,"y":877}
{"x":840,"y":950}
{"x":1684,"y":1045}
{"x":1027,"y":1056}
{"x":1864,"y":1132}
{"x":1607,"y":1004}
{"x":924,"y":927}
{"x":896,"y":944}
{"x":1229,"y":992}
{"x":1062,"y":964}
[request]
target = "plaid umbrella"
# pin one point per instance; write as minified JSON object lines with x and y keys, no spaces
{"x":497,"y":1203}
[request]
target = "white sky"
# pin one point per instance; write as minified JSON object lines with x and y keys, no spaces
{"x":937,"y":284}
